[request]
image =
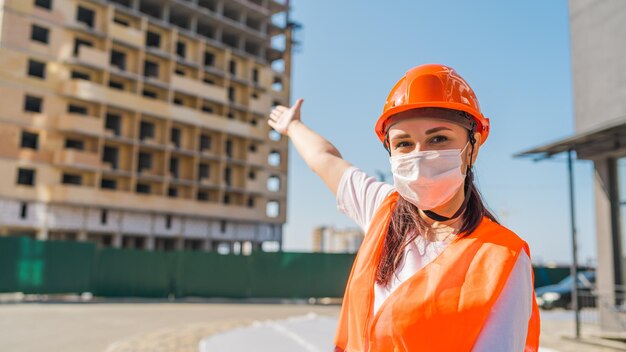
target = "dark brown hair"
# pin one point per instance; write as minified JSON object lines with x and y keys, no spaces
{"x":406,"y":224}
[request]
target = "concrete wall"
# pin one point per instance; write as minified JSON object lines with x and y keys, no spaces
{"x":598,"y":40}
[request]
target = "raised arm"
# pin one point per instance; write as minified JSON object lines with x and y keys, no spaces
{"x":318,"y":153}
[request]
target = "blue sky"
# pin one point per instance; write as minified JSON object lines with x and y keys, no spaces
{"x":516,"y":56}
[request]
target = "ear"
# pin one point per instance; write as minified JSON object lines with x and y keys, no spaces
{"x":479,"y":138}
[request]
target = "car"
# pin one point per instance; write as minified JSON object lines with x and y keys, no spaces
{"x":560,"y":294}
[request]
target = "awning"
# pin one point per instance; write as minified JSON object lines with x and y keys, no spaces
{"x":609,"y":138}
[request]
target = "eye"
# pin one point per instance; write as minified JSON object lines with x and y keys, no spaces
{"x":438,"y":139}
{"x":402,"y":144}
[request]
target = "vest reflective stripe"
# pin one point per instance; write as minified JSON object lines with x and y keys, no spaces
{"x":443,"y":306}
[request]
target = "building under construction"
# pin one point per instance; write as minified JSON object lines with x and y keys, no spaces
{"x":142,"y":123}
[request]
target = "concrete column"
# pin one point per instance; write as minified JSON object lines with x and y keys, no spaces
{"x":149,"y":243}
{"x":116,"y":241}
{"x":604,"y":238}
{"x":165,"y":14}
{"x":42,"y":234}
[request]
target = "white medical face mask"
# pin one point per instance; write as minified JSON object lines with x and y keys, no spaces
{"x":428,"y":178}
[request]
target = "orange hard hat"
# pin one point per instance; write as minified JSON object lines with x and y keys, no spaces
{"x":432,"y":86}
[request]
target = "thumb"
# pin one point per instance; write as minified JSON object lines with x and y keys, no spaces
{"x":298,"y":104}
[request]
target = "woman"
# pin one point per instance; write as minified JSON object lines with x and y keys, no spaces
{"x":435,"y":272}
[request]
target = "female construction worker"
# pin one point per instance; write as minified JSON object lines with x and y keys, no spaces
{"x":435,"y":271}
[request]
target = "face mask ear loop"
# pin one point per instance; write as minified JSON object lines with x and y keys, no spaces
{"x":386,"y":143}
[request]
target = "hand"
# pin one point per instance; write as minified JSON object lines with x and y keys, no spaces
{"x":281,"y":117}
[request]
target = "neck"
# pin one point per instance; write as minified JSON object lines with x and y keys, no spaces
{"x":447,"y":209}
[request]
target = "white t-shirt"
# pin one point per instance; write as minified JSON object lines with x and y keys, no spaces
{"x":359,"y":196}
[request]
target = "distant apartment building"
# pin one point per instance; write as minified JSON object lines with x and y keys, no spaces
{"x":332,"y":240}
{"x":142,"y":123}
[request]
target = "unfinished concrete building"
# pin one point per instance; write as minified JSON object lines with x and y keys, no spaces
{"x":142,"y":123}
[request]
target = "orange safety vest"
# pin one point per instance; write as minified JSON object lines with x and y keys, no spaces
{"x":442,"y":307}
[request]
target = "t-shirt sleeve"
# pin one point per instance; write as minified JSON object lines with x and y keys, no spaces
{"x":507,"y":324}
{"x":359,"y":195}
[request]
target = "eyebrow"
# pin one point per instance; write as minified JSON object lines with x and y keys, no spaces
{"x":430,"y":131}
{"x":437,"y":129}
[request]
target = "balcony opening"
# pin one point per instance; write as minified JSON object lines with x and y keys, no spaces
{"x":278,"y":65}
{"x":107,"y":183}
{"x":252,"y":175}
{"x":25,"y":177}
{"x":44,"y":4}
{"x":125,"y":3}
{"x":181,"y":49}
{"x":71,"y":179}
{"x":175,"y":136}
{"x":111,"y":155}
{"x":254,"y":23}
{"x":172,"y":192}
{"x":228,"y":173}
{"x":277,"y":85}
{"x":150,"y":69}
{"x":230,"y":115}
{"x":231,"y":94}
{"x":252,"y":49}
{"x":149,"y":94}
{"x":146,"y":130}
{"x":232,"y":40}
{"x":153,"y":40}
{"x":37,"y":69}
{"x":232,"y":14}
{"x":118,"y":59}
{"x":272,"y":209}
{"x":274,"y":158}
{"x":29,"y":140}
{"x":210,"y":5}
{"x":74,"y":144}
{"x":252,"y":148}
{"x":179,"y":19}
{"x":168,"y":221}
{"x":113,"y":122}
{"x":255,"y":75}
{"x":229,"y":148}
{"x":32,"y":103}
{"x":86,"y":16}
{"x":144,"y":161}
{"x":121,"y":21}
{"x":150,"y":9}
{"x":80,"y":75}
{"x":250,"y":202}
{"x":205,"y":142}
{"x":39,"y":34}
{"x":142,"y":188}
{"x":273,"y":183}
{"x":203,"y":196}
{"x":174,"y":163}
{"x":232,"y":67}
{"x":209,"y":59}
{"x":80,"y":42}
{"x":227,"y":199}
{"x":77,"y":109}
{"x":206,"y":30}
{"x":208,"y":81}
{"x":207,"y":109}
{"x":274,"y":135}
{"x":223,"y":226}
{"x":115,"y":84}
{"x":203,"y":171}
